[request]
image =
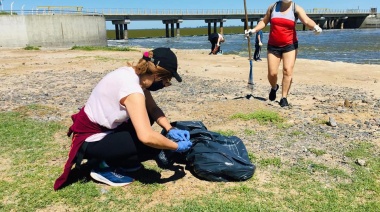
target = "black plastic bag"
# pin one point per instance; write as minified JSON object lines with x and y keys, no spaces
{"x":215,"y":157}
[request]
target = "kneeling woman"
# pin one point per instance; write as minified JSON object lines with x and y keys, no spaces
{"x":114,"y":126}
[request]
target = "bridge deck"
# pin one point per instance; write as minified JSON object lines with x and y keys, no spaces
{"x":201,"y":14}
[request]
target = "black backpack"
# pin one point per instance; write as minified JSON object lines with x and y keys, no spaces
{"x":215,"y":157}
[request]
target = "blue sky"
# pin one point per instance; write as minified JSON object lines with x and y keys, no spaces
{"x":182,"y":4}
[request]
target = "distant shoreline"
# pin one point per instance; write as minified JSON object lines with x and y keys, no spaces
{"x":184,"y":32}
{"x":202,"y":31}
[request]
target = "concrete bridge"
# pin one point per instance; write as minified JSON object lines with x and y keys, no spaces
{"x":61,"y":27}
{"x":326,"y":18}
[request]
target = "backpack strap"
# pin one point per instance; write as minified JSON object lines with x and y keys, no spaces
{"x":295,"y":13}
{"x":273,"y":6}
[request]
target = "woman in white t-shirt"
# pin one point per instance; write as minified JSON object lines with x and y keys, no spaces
{"x":114,"y":126}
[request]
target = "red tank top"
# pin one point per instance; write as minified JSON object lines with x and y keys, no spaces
{"x":282,"y":27}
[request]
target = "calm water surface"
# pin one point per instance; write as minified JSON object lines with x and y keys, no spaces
{"x":361,"y":46}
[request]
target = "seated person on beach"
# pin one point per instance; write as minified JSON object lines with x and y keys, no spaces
{"x":114,"y":127}
{"x":216,"y":39}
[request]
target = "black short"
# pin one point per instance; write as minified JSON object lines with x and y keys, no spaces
{"x":280,"y":50}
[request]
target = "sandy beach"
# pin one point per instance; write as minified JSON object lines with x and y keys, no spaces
{"x":214,"y":88}
{"x":19,"y":68}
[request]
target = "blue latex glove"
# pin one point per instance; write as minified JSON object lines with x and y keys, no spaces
{"x":179,"y":135}
{"x":183,"y":146}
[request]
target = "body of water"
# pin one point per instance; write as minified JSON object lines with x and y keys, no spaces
{"x":361,"y":46}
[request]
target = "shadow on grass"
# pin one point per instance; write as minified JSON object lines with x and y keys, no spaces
{"x":149,"y":176}
{"x":143,"y":175}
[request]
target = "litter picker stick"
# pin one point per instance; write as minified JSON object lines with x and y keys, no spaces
{"x":250,"y":78}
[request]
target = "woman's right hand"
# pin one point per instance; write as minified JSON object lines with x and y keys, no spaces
{"x":179,"y":135}
{"x":184,"y":145}
{"x":249,"y":32}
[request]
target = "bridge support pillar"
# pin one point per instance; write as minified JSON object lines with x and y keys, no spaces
{"x":215,"y":22}
{"x":172,"y":22}
{"x":121,"y":29}
{"x":221,"y":25}
{"x":208,"y":28}
{"x":126,"y":22}
{"x":117,"y":32}
{"x":342,"y":20}
{"x":172,"y":29}
{"x":250,"y":20}
{"x":328,"y":23}
{"x":167,"y":30}
{"x":125,"y":31}
{"x":321,"y":22}
{"x":178,"y":30}
{"x":331,"y":25}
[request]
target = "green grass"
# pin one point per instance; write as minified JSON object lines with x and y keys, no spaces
{"x":297,"y":133}
{"x":360,"y":149}
{"x":7,"y":13}
{"x":283,"y":125}
{"x":226,"y":132}
{"x":276,"y":162}
{"x":249,"y":132}
{"x":317,"y":152}
{"x":102,"y":48}
{"x":31,"y":48}
{"x":33,"y":152}
{"x":320,"y":121}
{"x":261,"y":116}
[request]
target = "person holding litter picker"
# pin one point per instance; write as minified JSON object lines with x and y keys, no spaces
{"x":114,"y":126}
{"x":282,"y":43}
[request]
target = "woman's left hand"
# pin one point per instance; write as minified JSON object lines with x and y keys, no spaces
{"x":179,"y":135}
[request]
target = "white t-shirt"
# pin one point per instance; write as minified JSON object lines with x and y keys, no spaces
{"x":103,"y":106}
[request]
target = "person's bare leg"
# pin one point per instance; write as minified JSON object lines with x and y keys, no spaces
{"x":273,"y":64}
{"x":289,"y":59}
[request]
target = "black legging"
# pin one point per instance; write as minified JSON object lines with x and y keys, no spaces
{"x":256,"y":55}
{"x":120,"y":148}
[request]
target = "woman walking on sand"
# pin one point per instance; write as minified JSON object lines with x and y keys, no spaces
{"x":282,"y":43}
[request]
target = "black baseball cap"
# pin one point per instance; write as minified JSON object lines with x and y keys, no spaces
{"x":165,"y":58}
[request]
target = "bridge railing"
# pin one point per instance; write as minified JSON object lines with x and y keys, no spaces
{"x":116,"y":11}
{"x":340,"y":11}
{"x":135,"y":11}
{"x":49,"y":12}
